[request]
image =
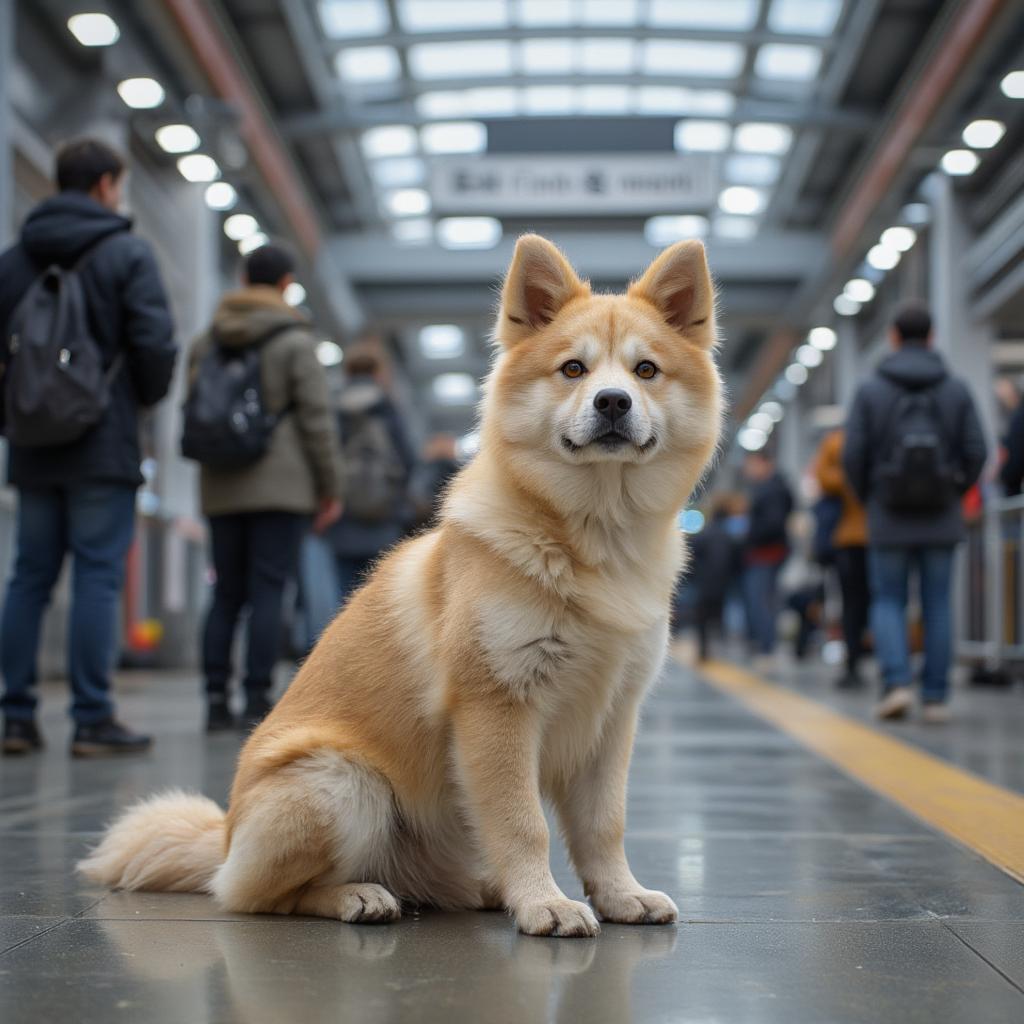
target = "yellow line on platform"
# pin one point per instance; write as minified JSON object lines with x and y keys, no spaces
{"x":982,"y":816}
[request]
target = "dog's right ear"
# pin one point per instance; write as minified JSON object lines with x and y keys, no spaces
{"x":539,"y":283}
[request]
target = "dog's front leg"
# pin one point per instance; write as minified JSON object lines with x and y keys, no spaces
{"x":592,"y":809}
{"x":497,"y":744}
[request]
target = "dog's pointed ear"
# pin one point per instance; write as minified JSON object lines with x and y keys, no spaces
{"x":538,"y":284}
{"x":679,"y":286}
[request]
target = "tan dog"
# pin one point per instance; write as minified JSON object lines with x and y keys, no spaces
{"x":492,"y":662}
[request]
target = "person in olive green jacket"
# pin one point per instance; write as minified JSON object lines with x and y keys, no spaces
{"x":258,"y":514}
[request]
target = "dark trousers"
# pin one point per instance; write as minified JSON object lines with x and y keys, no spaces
{"x":708,"y":619}
{"x":761,"y":603}
{"x":254,"y":554}
{"x":852,"y":567}
{"x":353,"y":571}
{"x":95,"y":523}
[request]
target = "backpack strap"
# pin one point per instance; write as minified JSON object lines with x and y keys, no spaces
{"x":91,"y":250}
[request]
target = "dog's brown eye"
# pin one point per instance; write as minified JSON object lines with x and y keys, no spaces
{"x":573,"y":369}
{"x":645,"y":369}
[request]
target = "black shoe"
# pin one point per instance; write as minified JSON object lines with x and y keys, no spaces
{"x":257,"y":707}
{"x":21,"y":736}
{"x":107,"y":737}
{"x":219,"y":717}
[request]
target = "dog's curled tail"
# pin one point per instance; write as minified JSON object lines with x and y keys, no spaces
{"x":172,"y":842}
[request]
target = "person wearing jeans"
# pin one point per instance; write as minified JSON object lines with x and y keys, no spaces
{"x":917,"y":534}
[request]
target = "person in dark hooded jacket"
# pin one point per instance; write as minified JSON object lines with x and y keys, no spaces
{"x":80,"y":497}
{"x":923,"y":538}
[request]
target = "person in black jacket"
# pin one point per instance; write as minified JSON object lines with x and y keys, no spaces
{"x":767,"y":548}
{"x":80,"y":497}
{"x":900,"y":537}
{"x":715,"y":561}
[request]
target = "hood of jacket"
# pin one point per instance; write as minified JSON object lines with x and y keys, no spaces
{"x":914,"y":367}
{"x":360,"y":395}
{"x":62,"y":227}
{"x":249,"y":314}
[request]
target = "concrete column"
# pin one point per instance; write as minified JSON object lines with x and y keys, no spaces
{"x":790,"y":455}
{"x":846,"y":362}
{"x":6,"y":150}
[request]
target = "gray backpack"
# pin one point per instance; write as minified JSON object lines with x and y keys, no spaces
{"x":55,"y":384}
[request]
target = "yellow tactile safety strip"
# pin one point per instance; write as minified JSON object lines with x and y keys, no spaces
{"x":982,"y":816}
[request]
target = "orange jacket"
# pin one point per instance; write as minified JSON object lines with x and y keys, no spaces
{"x":852,"y":530}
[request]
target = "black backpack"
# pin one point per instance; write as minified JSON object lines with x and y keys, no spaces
{"x":54,"y":382}
{"x":226,"y":423}
{"x":919,"y":474}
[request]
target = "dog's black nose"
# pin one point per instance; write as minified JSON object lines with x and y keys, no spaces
{"x":612,"y":403}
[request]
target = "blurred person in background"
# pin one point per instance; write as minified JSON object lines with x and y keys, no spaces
{"x":259,"y":512}
{"x":848,"y":539}
{"x":715,"y":565}
{"x":440,"y":462}
{"x":914,"y":446}
{"x":79,"y":497}
{"x":766,"y":550}
{"x":378,"y":463}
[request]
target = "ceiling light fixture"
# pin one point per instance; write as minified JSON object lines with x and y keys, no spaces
{"x":442,"y":341}
{"x":752,"y":439}
{"x":823,"y":338}
{"x":94,"y":29}
{"x":295,"y":294}
{"x":773,"y":410}
{"x":860,"y":289}
{"x":664,"y":230}
{"x":899,"y":238}
{"x":1013,"y":85}
{"x":454,"y":137}
{"x":177,"y":138}
{"x":240,"y":225}
{"x":198,"y":167}
{"x":960,"y":162}
{"x":702,"y":136}
{"x":329,"y":353}
{"x":983,"y":133}
{"x":220,"y":196}
{"x":141,"y":93}
{"x":762,"y":137}
{"x":407,"y":202}
{"x":796,"y":374}
{"x":252,"y":242}
{"x":741,"y":199}
{"x":845,"y":306}
{"x":469,"y":232}
{"x":883,"y":257}
{"x":809,"y":356}
{"x":389,"y":140}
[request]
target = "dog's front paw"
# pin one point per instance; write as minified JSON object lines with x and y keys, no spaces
{"x":367,"y":903}
{"x":564,"y":917}
{"x":640,"y":906}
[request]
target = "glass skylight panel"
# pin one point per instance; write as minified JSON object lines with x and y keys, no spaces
{"x":702,"y":136}
{"x":469,"y":232}
{"x":607,"y":56}
{"x":742,"y":200}
{"x":603,"y":99}
{"x":398,"y":172}
{"x":368,"y":64}
{"x":439,"y":15}
{"x":407,"y":202}
{"x":548,"y":99}
{"x":491,"y":101}
{"x":460,"y":60}
{"x":670,"y":99}
{"x":389,"y":140}
{"x":543,"y":13}
{"x":454,"y":137}
{"x":788,"y":62}
{"x":664,"y":230}
{"x":442,"y":341}
{"x":454,"y":388}
{"x":609,"y":12}
{"x":349,"y":19}
{"x":738,"y":229}
{"x":440,"y":105}
{"x":751,"y":169}
{"x":730,"y":15}
{"x":755,"y":137}
{"x":804,"y":17}
{"x":547,"y":56}
{"x":412,"y":231}
{"x":679,"y":57}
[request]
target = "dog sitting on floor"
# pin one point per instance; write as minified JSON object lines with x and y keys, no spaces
{"x":493,"y":662}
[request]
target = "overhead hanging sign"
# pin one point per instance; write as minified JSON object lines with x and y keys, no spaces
{"x":591,"y":185}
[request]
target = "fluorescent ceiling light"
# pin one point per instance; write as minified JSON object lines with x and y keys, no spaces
{"x":398,"y":172}
{"x":198,"y":167}
{"x":460,"y":60}
{"x":348,"y":19}
{"x":368,"y":64}
{"x":702,"y":136}
{"x":240,"y":225}
{"x":804,"y":17}
{"x":329,"y":353}
{"x":882,"y":257}
{"x":469,"y":232}
{"x":442,"y":341}
{"x":751,"y":439}
{"x":548,"y":99}
{"x":741,"y":199}
{"x":823,"y":337}
{"x":412,"y":231}
{"x":389,"y":140}
{"x":1013,"y":85}
{"x":773,"y":410}
{"x":899,"y":238}
{"x":761,"y":421}
{"x":762,"y":137}
{"x":607,"y":56}
{"x":679,"y":57}
{"x":454,"y":388}
{"x":859,"y":289}
{"x":441,"y":104}
{"x":609,"y":12}
{"x":809,"y":356}
{"x":252,"y":242}
{"x":603,"y":99}
{"x":751,"y":169}
{"x":845,"y":306}
{"x":440,"y":15}
{"x":454,"y":137}
{"x":736,"y":229}
{"x":664,"y":230}
{"x":734,"y":15}
{"x":220,"y":196}
{"x":960,"y":162}
{"x":94,"y":29}
{"x":177,"y":138}
{"x":544,"y":13}
{"x":796,"y":374}
{"x":787,"y":62}
{"x":491,"y":101}
{"x":295,"y":294}
{"x":547,"y":56}
{"x":141,"y":93}
{"x":983,"y":133}
{"x":407,"y":202}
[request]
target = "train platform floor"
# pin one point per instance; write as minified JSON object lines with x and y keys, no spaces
{"x":804,"y":894}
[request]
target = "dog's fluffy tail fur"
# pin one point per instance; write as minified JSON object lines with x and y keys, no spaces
{"x":172,"y":842}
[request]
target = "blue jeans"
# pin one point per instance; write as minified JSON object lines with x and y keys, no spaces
{"x":761,"y":604}
{"x":889,"y":570}
{"x":95,"y":522}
